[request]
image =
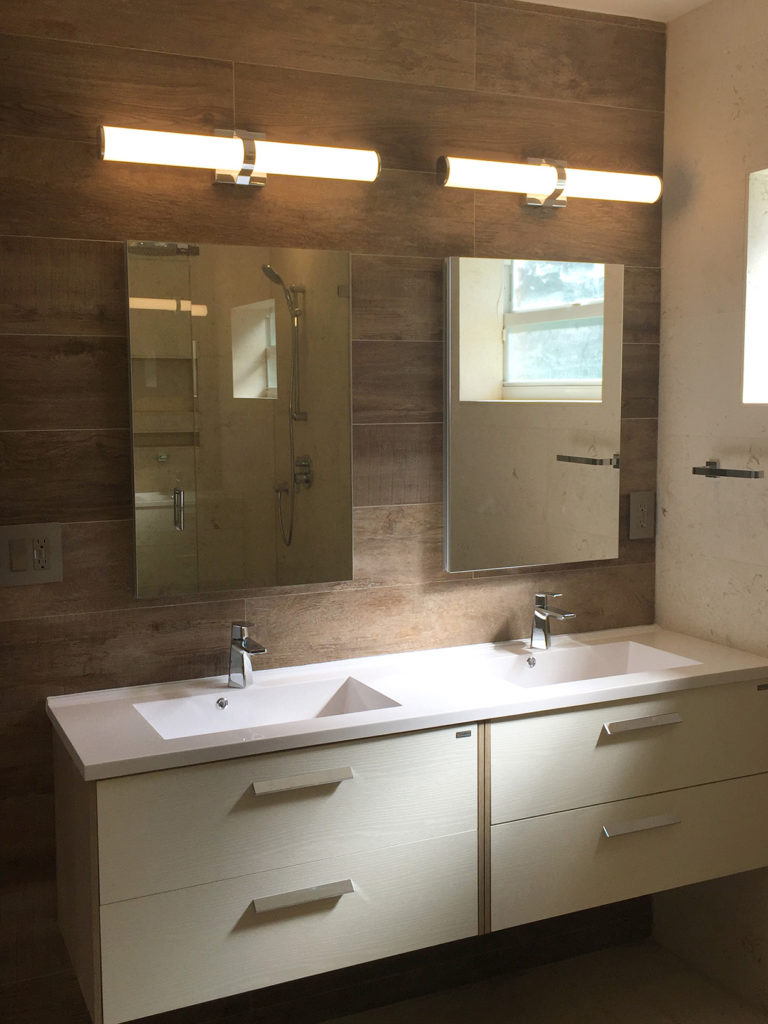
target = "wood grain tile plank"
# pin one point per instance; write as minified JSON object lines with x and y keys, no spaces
{"x":60,"y":286}
{"x":400,"y":545}
{"x":566,"y":12}
{"x":401,"y":213}
{"x":31,"y":935}
{"x":397,"y":464}
{"x":638,"y":455}
{"x":640,"y":381}
{"x":429,"y":42}
{"x":642,"y":305}
{"x":397,"y":299}
{"x":64,"y":475}
{"x":81,"y":652}
{"x":569,"y":58}
{"x":67,"y":90}
{"x":411,"y":126}
{"x":397,"y":382}
{"x":628,"y":233}
{"x":26,"y":763}
{"x":381,"y":619}
{"x":85,"y":652}
{"x":52,"y":382}
{"x":28,"y":848}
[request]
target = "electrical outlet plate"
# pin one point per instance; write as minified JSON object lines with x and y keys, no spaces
{"x":642,"y":515}
{"x":30,"y":554}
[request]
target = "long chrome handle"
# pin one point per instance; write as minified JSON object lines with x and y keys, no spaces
{"x":650,"y":722}
{"x":313,"y":894}
{"x":307,"y":780}
{"x":582,"y":460}
{"x":623,"y":828}
{"x":178,"y":508}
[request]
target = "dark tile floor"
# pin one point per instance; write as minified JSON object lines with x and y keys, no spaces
{"x":640,"y":984}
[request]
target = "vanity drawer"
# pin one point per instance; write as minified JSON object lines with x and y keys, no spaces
{"x":187,"y":826}
{"x":192,"y":945}
{"x":559,"y":863}
{"x":553,"y":762}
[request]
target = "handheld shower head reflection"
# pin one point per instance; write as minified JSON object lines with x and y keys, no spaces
{"x":275,"y":278}
{"x":272,"y":274}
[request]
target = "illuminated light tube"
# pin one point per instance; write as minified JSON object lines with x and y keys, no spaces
{"x":168,"y":305}
{"x":541,"y":180}
{"x":139,"y":302}
{"x":231,"y":154}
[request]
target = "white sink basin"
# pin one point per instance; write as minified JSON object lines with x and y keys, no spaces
{"x":572,"y":664}
{"x":257,"y":706}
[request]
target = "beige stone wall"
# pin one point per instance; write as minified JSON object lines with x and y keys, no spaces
{"x":713,"y":534}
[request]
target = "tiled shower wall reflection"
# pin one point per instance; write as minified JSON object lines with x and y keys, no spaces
{"x":500,"y":79}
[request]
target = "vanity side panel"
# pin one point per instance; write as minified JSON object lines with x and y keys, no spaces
{"x":77,"y":875}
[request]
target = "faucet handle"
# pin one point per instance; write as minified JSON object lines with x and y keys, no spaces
{"x":240,"y":630}
{"x":542,"y":598}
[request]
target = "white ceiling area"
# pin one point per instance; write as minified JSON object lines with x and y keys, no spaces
{"x":654,"y":10}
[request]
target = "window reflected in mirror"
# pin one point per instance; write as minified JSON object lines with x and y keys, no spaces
{"x":533,"y":412}
{"x":553,"y":331}
{"x":755,"y":378}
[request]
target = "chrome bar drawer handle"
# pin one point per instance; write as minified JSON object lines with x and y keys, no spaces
{"x":623,"y":828}
{"x":307,"y":780}
{"x":632,"y":724}
{"x":313,"y":894}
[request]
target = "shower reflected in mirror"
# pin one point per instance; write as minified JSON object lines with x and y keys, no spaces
{"x":286,"y":517}
{"x":224,"y":352}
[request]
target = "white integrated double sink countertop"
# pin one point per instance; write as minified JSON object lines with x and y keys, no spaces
{"x":108,"y":736}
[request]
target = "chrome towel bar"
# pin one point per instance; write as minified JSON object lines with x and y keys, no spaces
{"x":712,"y":469}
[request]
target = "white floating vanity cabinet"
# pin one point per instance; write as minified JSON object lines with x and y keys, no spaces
{"x":187,"y":884}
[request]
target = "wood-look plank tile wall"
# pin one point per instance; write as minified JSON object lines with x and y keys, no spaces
{"x":496,"y":79}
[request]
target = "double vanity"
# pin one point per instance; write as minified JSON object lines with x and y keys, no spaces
{"x":214,"y":840}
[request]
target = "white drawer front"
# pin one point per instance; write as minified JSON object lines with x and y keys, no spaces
{"x":559,"y":863}
{"x":553,"y":762}
{"x":191,"y":945}
{"x":187,"y":826}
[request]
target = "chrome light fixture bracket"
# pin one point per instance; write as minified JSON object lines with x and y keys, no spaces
{"x":246,"y":175}
{"x":555,"y":200}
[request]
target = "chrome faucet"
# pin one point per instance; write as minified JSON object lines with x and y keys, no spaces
{"x":542,"y":613}
{"x":240,"y":650}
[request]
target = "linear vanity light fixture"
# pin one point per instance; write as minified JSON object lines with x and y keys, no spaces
{"x":238,"y":158}
{"x":546,"y":182}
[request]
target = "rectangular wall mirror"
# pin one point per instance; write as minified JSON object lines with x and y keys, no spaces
{"x":241,"y":416}
{"x":533,"y":412}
